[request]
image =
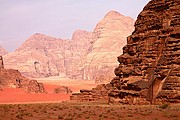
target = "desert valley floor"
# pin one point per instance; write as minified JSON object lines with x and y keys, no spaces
{"x":14,"y":95}
{"x":87,"y":111}
{"x":16,"y":104}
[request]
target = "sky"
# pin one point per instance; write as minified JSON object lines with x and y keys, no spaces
{"x":19,"y":19}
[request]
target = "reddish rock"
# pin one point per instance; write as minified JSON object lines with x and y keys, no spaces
{"x":13,"y":78}
{"x":62,"y":90}
{"x":149,"y":67}
{"x":1,"y":62}
{"x":35,"y":87}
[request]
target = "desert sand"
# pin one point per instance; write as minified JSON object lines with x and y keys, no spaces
{"x":88,"y":111}
{"x":18,"y":95}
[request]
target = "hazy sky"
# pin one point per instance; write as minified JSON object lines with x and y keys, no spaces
{"x":19,"y":19}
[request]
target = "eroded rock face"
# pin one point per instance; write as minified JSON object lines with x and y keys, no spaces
{"x":13,"y":78}
{"x":100,"y":94}
{"x":79,"y":47}
{"x":43,"y":56}
{"x":39,"y":56}
{"x":2,"y":51}
{"x":1,"y":62}
{"x":62,"y":90}
{"x":150,"y":64}
{"x":88,"y":55}
{"x":109,"y":35}
{"x":35,"y":87}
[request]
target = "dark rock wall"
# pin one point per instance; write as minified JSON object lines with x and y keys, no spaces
{"x":154,"y":48}
{"x":1,"y":62}
{"x":149,"y":68}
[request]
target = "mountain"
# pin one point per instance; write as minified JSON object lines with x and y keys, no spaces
{"x":87,"y":55}
{"x":110,"y":34}
{"x":13,"y":78}
{"x":43,"y":56}
{"x":149,"y":68}
{"x":2,"y":51}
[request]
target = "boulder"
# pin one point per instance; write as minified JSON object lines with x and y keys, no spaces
{"x":35,"y":87}
{"x":62,"y":90}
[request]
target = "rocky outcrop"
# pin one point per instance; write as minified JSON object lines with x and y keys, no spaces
{"x":100,"y":94}
{"x":3,"y":51}
{"x":13,"y":78}
{"x":62,"y":90}
{"x":149,"y":67}
{"x":88,"y":55}
{"x":35,"y":87}
{"x":1,"y":62}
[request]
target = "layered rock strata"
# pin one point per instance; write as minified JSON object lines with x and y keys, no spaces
{"x":109,"y":38}
{"x":35,"y":87}
{"x":13,"y":78}
{"x":44,"y":56}
{"x":62,"y":90}
{"x":88,"y":55}
{"x":149,"y":69}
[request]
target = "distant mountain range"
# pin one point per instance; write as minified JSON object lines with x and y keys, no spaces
{"x":88,"y":55}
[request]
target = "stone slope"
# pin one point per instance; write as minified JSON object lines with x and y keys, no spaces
{"x":3,"y":51}
{"x":34,"y":58}
{"x":110,"y":34}
{"x":86,"y":56}
{"x":13,"y":78}
{"x":80,"y":46}
{"x":149,"y":68}
{"x":43,"y":56}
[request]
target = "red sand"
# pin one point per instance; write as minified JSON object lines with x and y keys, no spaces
{"x":14,"y":95}
{"x":17,"y":95}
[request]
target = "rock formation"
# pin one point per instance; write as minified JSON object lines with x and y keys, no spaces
{"x":13,"y":78}
{"x":80,"y":46}
{"x":110,"y":36}
{"x":88,"y":55}
{"x":43,"y":56}
{"x":62,"y":90}
{"x":149,"y":69}
{"x":35,"y":87}
{"x":2,"y":51}
{"x":1,"y":62}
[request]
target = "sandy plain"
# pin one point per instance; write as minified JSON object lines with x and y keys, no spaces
{"x":17,"y":95}
{"x":15,"y":104}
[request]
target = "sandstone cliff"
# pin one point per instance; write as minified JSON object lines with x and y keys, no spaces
{"x":43,"y":56}
{"x":13,"y":78}
{"x":109,"y":35}
{"x":88,"y":55}
{"x":149,"y":68}
{"x":35,"y":56}
{"x":3,"y":51}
